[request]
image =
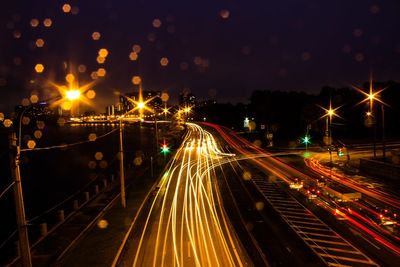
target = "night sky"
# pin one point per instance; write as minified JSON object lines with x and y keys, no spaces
{"x":215,"y":49}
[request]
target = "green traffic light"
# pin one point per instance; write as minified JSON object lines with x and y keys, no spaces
{"x":306,"y":140}
{"x":164,"y":149}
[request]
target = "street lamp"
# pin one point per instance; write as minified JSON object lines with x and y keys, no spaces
{"x":73,"y":94}
{"x":165,"y":111}
{"x":372,"y":96}
{"x":186,"y":110}
{"x":121,"y":164}
{"x":141,"y":106}
{"x":329,"y":114}
{"x":370,"y":120}
{"x":15,"y":155}
{"x":19,"y":201}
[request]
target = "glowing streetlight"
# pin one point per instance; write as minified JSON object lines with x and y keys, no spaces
{"x":166,"y":112}
{"x":141,"y":105}
{"x":372,"y":96}
{"x":15,"y":155}
{"x":329,"y":114}
{"x":72,"y":94}
{"x":186,"y":110}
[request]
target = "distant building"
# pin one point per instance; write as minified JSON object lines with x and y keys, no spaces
{"x":206,"y":103}
{"x":124,"y":104}
{"x":156,"y":102}
{"x":110,"y":110}
{"x":187,"y":99}
{"x":38,"y":111}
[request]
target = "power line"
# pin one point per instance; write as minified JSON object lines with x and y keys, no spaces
{"x":68,"y":145}
{"x":5,"y":190}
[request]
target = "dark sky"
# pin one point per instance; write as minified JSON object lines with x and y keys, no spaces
{"x":287,"y":45}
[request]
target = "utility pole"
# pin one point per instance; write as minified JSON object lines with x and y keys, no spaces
{"x":121,"y":166}
{"x":15,"y":154}
{"x":374,"y":138}
{"x":156,"y":129}
{"x":383,"y":132}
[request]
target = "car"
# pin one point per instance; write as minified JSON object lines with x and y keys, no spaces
{"x":296,"y":184}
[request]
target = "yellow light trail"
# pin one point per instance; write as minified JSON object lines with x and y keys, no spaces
{"x":187,"y":225}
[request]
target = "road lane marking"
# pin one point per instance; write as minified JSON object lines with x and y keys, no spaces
{"x":338,"y":249}
{"x":300,"y":218}
{"x":345,"y":258}
{"x":317,"y":234}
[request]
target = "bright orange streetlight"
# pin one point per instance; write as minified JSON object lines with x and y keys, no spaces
{"x":329,"y":114}
{"x":141,"y":105}
{"x":166,"y":111}
{"x":73,"y":94}
{"x":372,"y":96}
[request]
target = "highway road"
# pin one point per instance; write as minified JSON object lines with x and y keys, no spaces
{"x":225,"y":202}
{"x":184,"y":222}
{"x":369,"y":242}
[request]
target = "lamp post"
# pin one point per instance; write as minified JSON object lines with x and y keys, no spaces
{"x":15,"y":155}
{"x":383,"y":131}
{"x":186,"y":110}
{"x":165,"y":111}
{"x":19,"y":199}
{"x":371,"y":121}
{"x":371,"y":97}
{"x":155,"y":127}
{"x":141,"y":106}
{"x":329,"y":113}
{"x":121,"y":164}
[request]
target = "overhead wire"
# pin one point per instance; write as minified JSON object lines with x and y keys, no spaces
{"x":69,"y":145}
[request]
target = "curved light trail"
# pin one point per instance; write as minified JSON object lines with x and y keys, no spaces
{"x":187,"y":225}
{"x":286,"y":173}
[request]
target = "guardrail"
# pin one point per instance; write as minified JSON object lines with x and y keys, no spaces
{"x":52,"y":219}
